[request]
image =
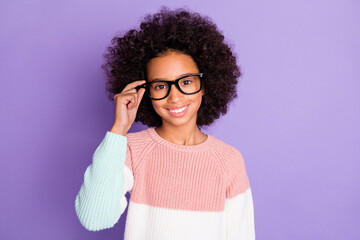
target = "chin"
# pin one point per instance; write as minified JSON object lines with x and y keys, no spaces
{"x":178,"y":121}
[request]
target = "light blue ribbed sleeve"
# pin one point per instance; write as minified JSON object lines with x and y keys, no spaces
{"x":101,"y":199}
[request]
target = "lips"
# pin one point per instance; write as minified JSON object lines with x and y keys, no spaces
{"x":179,"y":114}
{"x":177,"y":108}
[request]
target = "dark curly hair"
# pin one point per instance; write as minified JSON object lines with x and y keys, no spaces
{"x":185,"y":32}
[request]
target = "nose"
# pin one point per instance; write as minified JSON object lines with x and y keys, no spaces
{"x":174,"y":95}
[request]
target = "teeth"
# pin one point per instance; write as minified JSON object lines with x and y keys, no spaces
{"x":177,"y":111}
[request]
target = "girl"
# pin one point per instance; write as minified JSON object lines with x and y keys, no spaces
{"x":184,"y":184}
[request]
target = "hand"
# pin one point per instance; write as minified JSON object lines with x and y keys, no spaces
{"x":126,"y":105}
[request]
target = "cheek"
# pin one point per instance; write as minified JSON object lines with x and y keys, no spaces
{"x":198,"y":100}
{"x":158,"y":107}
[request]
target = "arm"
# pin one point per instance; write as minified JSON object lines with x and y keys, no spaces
{"x":239,"y":217}
{"x":101,"y":199}
{"x":239,"y":208}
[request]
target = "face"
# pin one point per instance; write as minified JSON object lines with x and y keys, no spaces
{"x":170,"y":67}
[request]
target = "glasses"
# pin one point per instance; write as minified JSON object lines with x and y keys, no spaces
{"x":160,"y":89}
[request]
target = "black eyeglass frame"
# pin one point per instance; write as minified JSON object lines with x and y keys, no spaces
{"x":170,"y":83}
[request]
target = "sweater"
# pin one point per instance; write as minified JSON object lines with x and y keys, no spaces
{"x":177,"y":192}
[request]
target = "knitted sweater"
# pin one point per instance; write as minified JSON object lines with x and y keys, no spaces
{"x":186,"y":192}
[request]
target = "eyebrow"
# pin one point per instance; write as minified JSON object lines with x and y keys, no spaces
{"x":163,"y":79}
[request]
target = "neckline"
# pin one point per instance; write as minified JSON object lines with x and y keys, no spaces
{"x":187,"y":148}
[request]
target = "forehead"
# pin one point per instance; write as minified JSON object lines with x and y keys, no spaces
{"x":171,"y":66}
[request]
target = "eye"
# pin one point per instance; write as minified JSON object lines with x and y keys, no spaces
{"x":159,"y":86}
{"x":187,"y":82}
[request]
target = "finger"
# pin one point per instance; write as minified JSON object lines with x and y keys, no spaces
{"x":132,"y":90}
{"x":134,"y":84}
{"x":135,"y":101}
{"x":126,"y":99}
{"x":132,"y":103}
{"x":140,"y":96}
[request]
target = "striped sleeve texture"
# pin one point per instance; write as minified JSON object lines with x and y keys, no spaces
{"x":101,"y":199}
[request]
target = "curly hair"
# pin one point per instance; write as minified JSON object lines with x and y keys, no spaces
{"x":176,"y":30}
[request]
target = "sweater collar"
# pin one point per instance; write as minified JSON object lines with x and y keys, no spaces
{"x":185,"y":148}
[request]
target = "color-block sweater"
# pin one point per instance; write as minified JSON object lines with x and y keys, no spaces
{"x":177,"y":192}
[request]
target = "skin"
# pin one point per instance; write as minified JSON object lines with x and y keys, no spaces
{"x":183,"y":130}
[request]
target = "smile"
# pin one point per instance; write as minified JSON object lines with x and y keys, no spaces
{"x":178,"y":112}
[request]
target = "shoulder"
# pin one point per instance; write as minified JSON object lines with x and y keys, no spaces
{"x":236,"y":179}
{"x":139,"y":145}
{"x":139,"y":136}
{"x":139,"y":141}
{"x":227,"y":150}
{"x":229,"y":156}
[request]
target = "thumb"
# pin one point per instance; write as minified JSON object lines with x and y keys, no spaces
{"x":141,"y":94}
{"x":139,"y":98}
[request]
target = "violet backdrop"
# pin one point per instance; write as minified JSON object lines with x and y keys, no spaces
{"x":296,"y":118}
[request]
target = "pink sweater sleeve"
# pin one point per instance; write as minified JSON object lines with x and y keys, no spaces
{"x":239,"y":209}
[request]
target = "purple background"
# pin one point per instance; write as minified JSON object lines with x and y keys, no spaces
{"x":296,"y":120}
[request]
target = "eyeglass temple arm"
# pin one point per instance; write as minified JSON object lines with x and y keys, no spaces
{"x":140,"y":86}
